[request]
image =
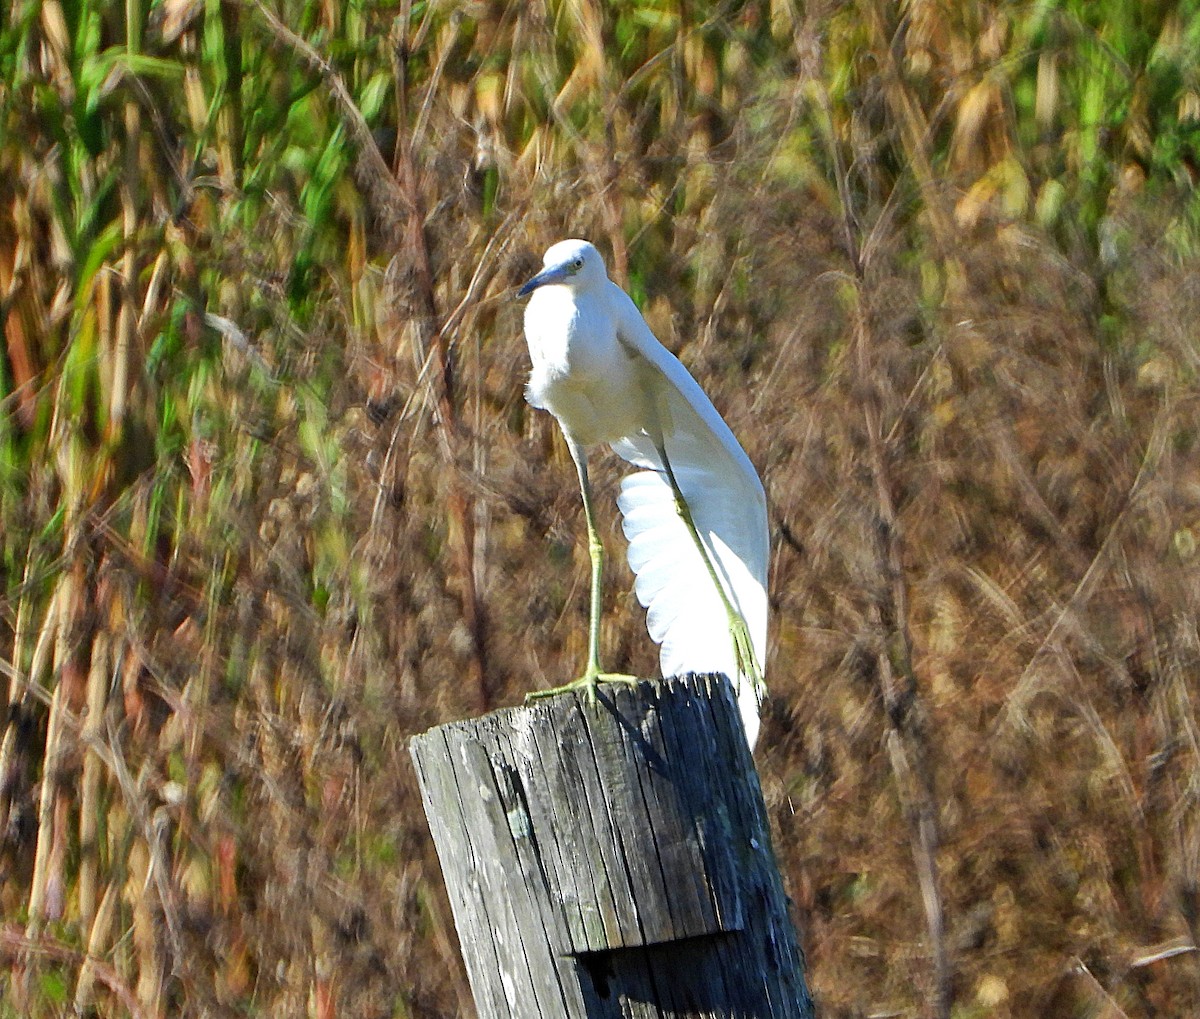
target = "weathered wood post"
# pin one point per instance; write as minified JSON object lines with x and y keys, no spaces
{"x":612,"y":859}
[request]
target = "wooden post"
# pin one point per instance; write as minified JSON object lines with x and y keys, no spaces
{"x":612,"y":859}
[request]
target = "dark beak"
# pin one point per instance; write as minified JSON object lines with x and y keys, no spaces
{"x":554,"y":275}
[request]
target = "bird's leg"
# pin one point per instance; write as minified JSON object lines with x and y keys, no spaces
{"x":593,"y":674}
{"x":739,"y":632}
{"x":596,"y":554}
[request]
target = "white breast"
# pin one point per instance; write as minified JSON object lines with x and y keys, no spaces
{"x":581,"y":373}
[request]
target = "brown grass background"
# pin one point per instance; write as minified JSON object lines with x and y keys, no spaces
{"x":271,"y":500}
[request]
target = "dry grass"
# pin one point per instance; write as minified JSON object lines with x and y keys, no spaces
{"x":271,"y":500}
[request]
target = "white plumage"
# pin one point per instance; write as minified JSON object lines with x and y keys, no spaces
{"x":600,"y":371}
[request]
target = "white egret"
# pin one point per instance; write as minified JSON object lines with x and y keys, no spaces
{"x":695,"y":513}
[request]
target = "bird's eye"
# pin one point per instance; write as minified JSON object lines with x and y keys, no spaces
{"x":579,"y":263}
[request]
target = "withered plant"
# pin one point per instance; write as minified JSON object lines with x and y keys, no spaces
{"x":271,"y":499}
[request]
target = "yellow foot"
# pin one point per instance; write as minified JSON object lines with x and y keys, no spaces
{"x":743,"y":649}
{"x":589,"y":681}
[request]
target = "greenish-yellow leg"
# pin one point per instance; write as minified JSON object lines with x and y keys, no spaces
{"x":593,"y":675}
{"x":739,"y":632}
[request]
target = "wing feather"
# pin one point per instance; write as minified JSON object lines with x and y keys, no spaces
{"x":684,"y":611}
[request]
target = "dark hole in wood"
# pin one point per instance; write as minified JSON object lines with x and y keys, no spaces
{"x":599,"y":968}
{"x":685,"y":975}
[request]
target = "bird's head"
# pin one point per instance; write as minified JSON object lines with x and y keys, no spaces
{"x":574,"y":264}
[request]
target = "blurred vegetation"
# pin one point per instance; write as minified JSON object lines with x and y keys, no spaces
{"x":271,"y":500}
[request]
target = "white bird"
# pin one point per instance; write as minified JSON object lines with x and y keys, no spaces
{"x":695,"y":512}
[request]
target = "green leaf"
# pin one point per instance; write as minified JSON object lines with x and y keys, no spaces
{"x":97,"y":254}
{"x":52,"y":983}
{"x":372,"y":98}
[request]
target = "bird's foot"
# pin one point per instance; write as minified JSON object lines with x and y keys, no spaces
{"x":589,"y":682}
{"x":743,"y":649}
